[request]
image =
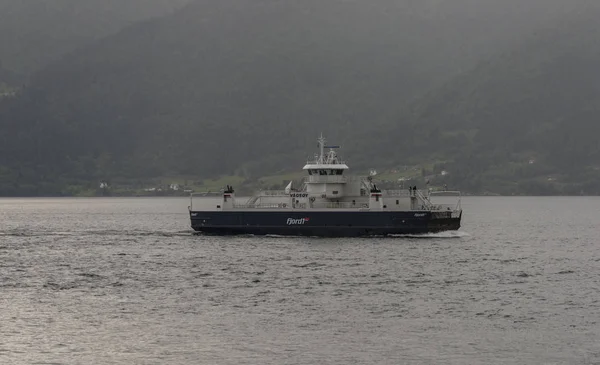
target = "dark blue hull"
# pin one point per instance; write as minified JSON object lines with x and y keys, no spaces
{"x":322,"y":224}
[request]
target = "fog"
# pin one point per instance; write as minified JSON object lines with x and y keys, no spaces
{"x":144,"y":89}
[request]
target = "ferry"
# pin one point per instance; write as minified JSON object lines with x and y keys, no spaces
{"x":329,"y":203}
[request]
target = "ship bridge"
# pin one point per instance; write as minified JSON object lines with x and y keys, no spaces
{"x":326,"y":173}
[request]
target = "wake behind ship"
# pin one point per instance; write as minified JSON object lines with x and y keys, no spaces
{"x":329,"y":204}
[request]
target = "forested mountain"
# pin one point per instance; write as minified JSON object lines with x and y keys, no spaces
{"x":8,"y":79}
{"x":36,"y":32}
{"x":236,"y":86}
{"x":527,"y":119}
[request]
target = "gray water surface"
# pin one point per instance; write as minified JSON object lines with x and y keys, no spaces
{"x":123,"y":281}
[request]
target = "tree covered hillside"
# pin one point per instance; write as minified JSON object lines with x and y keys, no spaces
{"x":526,"y":120}
{"x":242,"y":87}
{"x":8,"y":80}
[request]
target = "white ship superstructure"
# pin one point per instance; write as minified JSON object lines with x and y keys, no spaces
{"x":328,"y":189}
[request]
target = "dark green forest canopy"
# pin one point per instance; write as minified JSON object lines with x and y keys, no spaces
{"x":243,"y":87}
{"x":538,"y":102}
{"x":8,"y":79}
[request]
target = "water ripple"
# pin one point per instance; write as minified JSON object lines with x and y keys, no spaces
{"x":125,"y":281}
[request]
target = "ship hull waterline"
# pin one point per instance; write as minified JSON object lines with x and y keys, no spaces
{"x":323,"y":224}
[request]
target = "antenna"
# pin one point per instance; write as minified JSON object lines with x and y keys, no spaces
{"x":321,"y":148}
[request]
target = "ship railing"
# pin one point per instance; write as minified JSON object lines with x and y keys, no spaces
{"x":338,"y":205}
{"x":324,"y":205}
{"x":207,"y":194}
{"x":396,"y":193}
{"x":262,"y":206}
{"x":406,"y":193}
{"x":448,"y":193}
{"x":318,"y":162}
{"x":445,"y":207}
{"x":273,"y":193}
{"x":204,"y":195}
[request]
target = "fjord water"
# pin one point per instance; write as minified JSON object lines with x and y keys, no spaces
{"x":124,"y":281}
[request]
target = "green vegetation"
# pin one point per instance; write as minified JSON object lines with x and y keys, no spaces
{"x":526,"y":121}
{"x":235,"y":92}
{"x":6,"y":91}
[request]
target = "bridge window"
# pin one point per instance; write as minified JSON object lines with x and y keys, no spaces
{"x":330,"y":172}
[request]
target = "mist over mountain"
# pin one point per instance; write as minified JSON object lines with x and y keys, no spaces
{"x":242,"y":87}
{"x":36,"y":32}
{"x":526,"y":119}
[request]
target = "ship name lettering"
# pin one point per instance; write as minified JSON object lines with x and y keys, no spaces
{"x":299,"y":195}
{"x":297,"y":221}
